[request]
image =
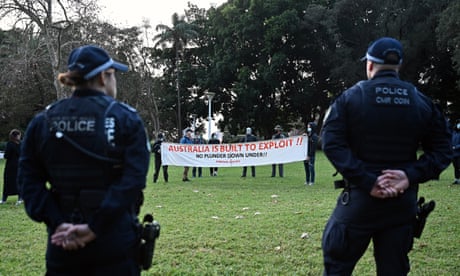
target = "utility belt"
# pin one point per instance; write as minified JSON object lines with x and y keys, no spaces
{"x":423,"y":208}
{"x":346,"y":186}
{"x":78,"y":207}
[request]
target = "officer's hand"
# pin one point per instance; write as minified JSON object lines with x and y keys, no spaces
{"x":72,"y":237}
{"x":60,"y":234}
{"x":382,"y":192}
{"x":78,"y":237}
{"x":396,"y":179}
{"x":390,"y":184}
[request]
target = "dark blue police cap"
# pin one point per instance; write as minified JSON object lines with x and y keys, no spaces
{"x":379,"y":50}
{"x":90,"y":60}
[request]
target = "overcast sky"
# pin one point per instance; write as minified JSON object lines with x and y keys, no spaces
{"x":133,"y":12}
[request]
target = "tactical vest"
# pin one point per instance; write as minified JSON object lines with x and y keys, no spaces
{"x":386,"y":119}
{"x":79,"y":154}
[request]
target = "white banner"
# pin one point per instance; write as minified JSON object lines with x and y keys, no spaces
{"x":266,"y":152}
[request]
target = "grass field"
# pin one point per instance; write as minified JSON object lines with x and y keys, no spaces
{"x":228,"y":225}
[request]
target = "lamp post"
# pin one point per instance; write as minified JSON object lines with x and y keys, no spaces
{"x":209,"y":95}
{"x":193,"y":122}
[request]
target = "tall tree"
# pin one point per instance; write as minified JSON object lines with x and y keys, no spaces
{"x":178,"y":36}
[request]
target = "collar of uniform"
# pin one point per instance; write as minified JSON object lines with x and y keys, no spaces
{"x":87,"y":92}
{"x":386,"y":73}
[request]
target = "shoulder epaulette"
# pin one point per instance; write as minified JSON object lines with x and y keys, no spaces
{"x":127,"y":106}
{"x":51,"y":105}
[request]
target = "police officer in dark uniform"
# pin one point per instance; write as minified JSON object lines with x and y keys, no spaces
{"x":156,"y":148}
{"x":93,"y":152}
{"x":371,"y":136}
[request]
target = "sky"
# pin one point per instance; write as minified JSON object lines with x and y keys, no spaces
{"x":134,"y":12}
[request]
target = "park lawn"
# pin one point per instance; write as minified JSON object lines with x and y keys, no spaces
{"x":228,"y":225}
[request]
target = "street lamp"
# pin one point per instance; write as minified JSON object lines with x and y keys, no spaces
{"x":193,"y":122}
{"x":209,"y":95}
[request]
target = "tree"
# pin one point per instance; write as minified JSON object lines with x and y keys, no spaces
{"x":448,"y":41}
{"x":270,"y":60}
{"x":49,"y":19}
{"x":178,"y":36}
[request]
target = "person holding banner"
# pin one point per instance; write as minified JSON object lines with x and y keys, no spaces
{"x":278,"y":135}
{"x":187,"y":139}
{"x":249,"y":138}
{"x":198,"y":139}
{"x":213,"y":140}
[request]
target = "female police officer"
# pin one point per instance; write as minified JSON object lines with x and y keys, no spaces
{"x":371,"y":136}
{"x":93,"y":152}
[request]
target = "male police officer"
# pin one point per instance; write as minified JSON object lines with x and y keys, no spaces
{"x":93,"y":151}
{"x":371,"y":136}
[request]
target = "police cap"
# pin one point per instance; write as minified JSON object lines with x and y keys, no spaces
{"x":90,"y":60}
{"x":385,"y":50}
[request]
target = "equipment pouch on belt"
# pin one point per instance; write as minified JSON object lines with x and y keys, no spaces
{"x":423,"y":210}
{"x":150,"y":231}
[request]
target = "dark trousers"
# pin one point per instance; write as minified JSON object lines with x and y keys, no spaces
{"x":157,"y":170}
{"x":456,"y":164}
{"x":343,"y":245}
{"x":212,"y":171}
{"x":253,"y":171}
{"x":280,"y":170}
{"x":309,"y":167}
{"x":195,"y":169}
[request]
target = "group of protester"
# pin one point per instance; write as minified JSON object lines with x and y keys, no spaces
{"x":86,"y":184}
{"x":189,"y":138}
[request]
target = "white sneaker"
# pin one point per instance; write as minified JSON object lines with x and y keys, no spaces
{"x":311,"y":183}
{"x":306,"y":183}
{"x":2,"y":202}
{"x":19,"y":202}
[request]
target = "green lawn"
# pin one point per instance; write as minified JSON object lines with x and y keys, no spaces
{"x":228,"y":225}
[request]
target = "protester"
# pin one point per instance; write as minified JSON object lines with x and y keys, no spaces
{"x":198,"y":139}
{"x":249,"y":138}
{"x":83,"y":167}
{"x":187,"y":139}
{"x":372,"y":135}
{"x":309,"y":163}
{"x":456,"y":152}
{"x":12,"y":151}
{"x":156,"y":149}
{"x":213,"y":141}
{"x":278,"y":135}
